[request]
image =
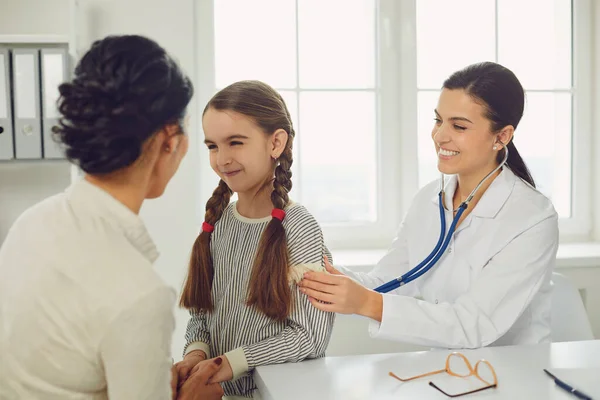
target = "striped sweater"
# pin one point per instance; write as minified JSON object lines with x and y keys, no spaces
{"x":246,"y":336}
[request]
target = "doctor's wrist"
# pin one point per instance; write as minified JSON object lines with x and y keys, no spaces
{"x":373,"y":307}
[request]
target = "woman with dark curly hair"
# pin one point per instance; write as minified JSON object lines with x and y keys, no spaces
{"x":83,"y":315}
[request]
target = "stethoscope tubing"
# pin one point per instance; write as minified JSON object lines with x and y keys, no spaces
{"x":443,"y":240}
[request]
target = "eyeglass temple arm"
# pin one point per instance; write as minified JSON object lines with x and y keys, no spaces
{"x":416,"y":377}
{"x":461,"y":394}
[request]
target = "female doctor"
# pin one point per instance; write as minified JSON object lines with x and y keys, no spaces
{"x":489,"y":282}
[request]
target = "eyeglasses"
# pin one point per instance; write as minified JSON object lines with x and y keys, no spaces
{"x":458,"y":365}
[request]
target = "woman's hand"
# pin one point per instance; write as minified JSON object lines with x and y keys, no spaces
{"x":199,"y":386}
{"x":225,"y":373}
{"x":174,"y":382}
{"x":336,"y":292}
{"x":185,"y":366}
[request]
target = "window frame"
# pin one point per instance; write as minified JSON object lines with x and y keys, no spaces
{"x":397,"y":162}
{"x":578,"y":226}
{"x":337,"y":236}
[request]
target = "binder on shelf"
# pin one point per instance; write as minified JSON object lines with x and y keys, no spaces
{"x":26,"y":91}
{"x":7,"y":149}
{"x":54,"y":72}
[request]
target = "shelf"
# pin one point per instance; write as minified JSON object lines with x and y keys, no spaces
{"x":34,"y":39}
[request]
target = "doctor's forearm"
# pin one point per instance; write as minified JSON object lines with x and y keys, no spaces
{"x":373,"y":307}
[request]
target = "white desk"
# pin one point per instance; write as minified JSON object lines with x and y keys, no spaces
{"x":519,"y":370}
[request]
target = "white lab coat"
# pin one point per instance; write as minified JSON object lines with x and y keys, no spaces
{"x":492,"y":285}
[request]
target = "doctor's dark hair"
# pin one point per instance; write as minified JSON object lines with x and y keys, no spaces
{"x":125,"y":88}
{"x":500,"y":92}
{"x":268,"y":288}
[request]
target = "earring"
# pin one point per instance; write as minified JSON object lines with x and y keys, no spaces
{"x":495,"y":147}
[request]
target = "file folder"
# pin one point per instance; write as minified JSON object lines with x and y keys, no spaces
{"x":54,"y":72}
{"x":7,"y":150}
{"x":26,"y":92}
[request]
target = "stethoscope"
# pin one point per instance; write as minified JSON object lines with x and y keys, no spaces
{"x":444,"y":238}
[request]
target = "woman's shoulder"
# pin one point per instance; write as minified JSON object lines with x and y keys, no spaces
{"x":528,"y":201}
{"x":49,"y":207}
{"x":427,"y":195}
{"x":428,"y":191}
{"x":516,"y":207}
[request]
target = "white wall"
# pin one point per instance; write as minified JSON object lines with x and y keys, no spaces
{"x":595,"y":68}
{"x":593,"y":299}
{"x":23,"y":184}
{"x":34,"y":17}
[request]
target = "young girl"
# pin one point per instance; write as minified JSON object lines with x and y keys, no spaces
{"x":240,"y":287}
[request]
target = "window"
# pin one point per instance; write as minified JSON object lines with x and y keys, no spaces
{"x":322,"y":56}
{"x":361,"y":78}
{"x":327,"y":78}
{"x":451,"y":35}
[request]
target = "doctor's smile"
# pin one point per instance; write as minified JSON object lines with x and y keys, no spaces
{"x":447,"y":154}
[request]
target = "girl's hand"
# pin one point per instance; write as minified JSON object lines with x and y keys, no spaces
{"x":335,"y":292}
{"x":225,"y":373}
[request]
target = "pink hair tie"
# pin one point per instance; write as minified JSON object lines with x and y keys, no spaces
{"x":278,"y":213}
{"x":206,"y":227}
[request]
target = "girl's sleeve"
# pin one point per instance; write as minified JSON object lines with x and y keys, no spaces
{"x":308,"y":329}
{"x":197,"y":335}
